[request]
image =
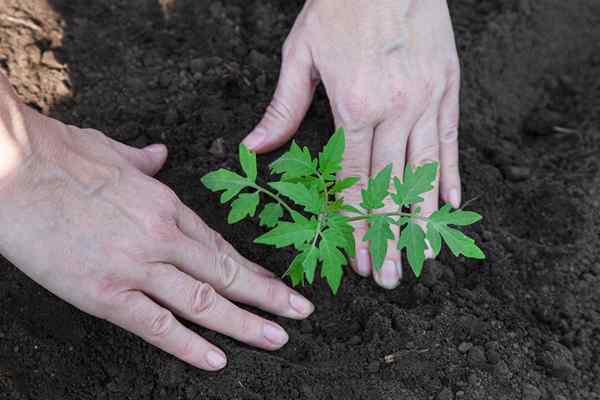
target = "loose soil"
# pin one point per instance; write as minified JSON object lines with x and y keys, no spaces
{"x":524,"y":324}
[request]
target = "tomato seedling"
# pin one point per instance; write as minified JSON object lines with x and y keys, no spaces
{"x":320,"y":227}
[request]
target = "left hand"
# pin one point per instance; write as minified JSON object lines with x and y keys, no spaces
{"x":392,"y":75}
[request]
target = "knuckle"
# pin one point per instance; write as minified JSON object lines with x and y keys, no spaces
{"x":160,"y":324}
{"x":228,"y":271}
{"x":449,"y":134}
{"x":203,"y":299}
{"x":162,"y":228}
{"x":167,"y":198}
{"x":278,"y":110}
{"x":355,"y":109}
{"x":425,"y":154}
{"x":107,"y":290}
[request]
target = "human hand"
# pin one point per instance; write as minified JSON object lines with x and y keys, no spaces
{"x":82,"y":216}
{"x":392,"y":75}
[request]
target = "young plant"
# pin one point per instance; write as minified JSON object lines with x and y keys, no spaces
{"x":320,"y":227}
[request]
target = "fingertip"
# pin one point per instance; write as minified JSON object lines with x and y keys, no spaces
{"x":216,"y":359}
{"x":255,"y":139}
{"x":363,"y":262}
{"x":390,"y":274}
{"x":303,"y":307}
{"x":453,"y":197}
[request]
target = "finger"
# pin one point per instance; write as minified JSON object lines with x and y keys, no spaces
{"x":148,"y":160}
{"x":357,"y":162}
{"x":450,"y":186}
{"x":294,"y":92}
{"x":193,"y":227}
{"x":198,"y":302}
{"x":157,"y":326}
{"x":423,"y":148}
{"x":217,"y":265}
{"x":389,"y":147}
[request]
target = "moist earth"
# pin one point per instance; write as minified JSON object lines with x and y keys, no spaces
{"x":196,"y":75}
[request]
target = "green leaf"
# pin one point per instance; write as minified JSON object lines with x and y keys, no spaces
{"x":330,"y":159}
{"x":412,"y":238}
{"x":270,"y":215}
{"x":378,"y":234}
{"x":289,"y":233}
{"x":333,"y":260}
{"x":351,"y":209}
{"x":294,"y":163}
{"x":458,"y":242}
{"x":344,"y":232}
{"x":300,"y":194}
{"x":310,"y":263}
{"x":248,"y":162}
{"x":377,"y":190}
{"x":296,"y":270}
{"x":415,"y":184}
{"x":226,"y":180}
{"x":245,"y":205}
{"x":344,"y":184}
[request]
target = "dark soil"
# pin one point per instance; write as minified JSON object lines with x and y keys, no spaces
{"x":523,"y":325}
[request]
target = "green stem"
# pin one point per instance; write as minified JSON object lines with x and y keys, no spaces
{"x":390,"y":214}
{"x":274,"y":197}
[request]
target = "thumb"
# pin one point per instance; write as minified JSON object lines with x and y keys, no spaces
{"x":294,"y":93}
{"x":148,"y":160}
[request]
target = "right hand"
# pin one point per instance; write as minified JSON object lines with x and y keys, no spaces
{"x":82,"y":216}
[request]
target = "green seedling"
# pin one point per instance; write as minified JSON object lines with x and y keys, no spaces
{"x":319,"y":226}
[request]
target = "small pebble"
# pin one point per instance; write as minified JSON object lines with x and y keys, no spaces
{"x":354,"y":340}
{"x":445,"y":394}
{"x":464,"y":347}
{"x":476,"y":356}
{"x":531,"y":392}
{"x":373,"y":366}
{"x":217,"y":147}
{"x":515,"y":173}
{"x":306,"y":326}
{"x":493,"y":356}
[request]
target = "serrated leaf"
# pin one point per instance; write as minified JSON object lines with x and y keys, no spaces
{"x":309,"y":264}
{"x":248,"y":162}
{"x":300,"y":194}
{"x":415,"y":183}
{"x":342,"y":229}
{"x":458,"y":242}
{"x":330,"y":159}
{"x":378,"y":234}
{"x":295,"y":163}
{"x":449,"y":216}
{"x":270,"y":215}
{"x":289,"y":233}
{"x":245,"y":205}
{"x":377,"y":189}
{"x":296,"y":270}
{"x":344,"y":184}
{"x":333,"y":261}
{"x":412,"y":238}
{"x":226,"y":180}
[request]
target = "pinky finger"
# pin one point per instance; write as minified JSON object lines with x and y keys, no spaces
{"x":448,"y":131}
{"x":141,"y":316}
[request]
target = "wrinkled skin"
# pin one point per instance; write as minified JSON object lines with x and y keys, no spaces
{"x":391,"y":73}
{"x":82,"y":216}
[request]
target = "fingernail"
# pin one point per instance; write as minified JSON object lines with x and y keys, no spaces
{"x":216,"y":359}
{"x":454,"y":198}
{"x":301,"y":305}
{"x":390,"y":274}
{"x":275,"y":334}
{"x":254,"y":139}
{"x":155,"y":148}
{"x":364,"y":262}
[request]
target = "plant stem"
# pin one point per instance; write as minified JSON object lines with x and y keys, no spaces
{"x":274,"y":197}
{"x":390,"y":214}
